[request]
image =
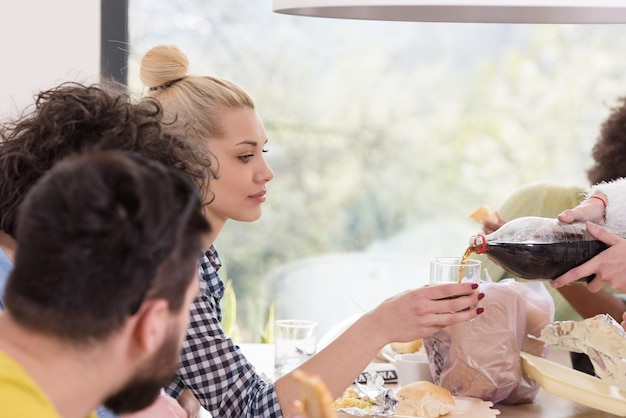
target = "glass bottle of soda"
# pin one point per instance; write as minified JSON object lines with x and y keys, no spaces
{"x":538,"y":248}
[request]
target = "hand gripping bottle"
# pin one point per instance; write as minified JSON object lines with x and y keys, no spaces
{"x":538,"y":248}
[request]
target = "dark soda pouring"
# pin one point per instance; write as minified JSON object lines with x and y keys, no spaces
{"x":464,"y":259}
{"x":538,"y":248}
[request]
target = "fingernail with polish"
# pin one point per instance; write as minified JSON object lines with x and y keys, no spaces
{"x":474,"y":286}
{"x":480,"y":310}
{"x":480,"y":296}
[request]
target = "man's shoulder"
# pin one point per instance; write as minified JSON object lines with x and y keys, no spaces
{"x":20,"y":397}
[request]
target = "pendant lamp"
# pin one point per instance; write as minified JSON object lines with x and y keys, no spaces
{"x":465,"y":11}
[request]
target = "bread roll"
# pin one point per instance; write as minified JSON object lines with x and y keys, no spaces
{"x":424,"y":399}
{"x":316,"y":401}
{"x":406,"y":348}
{"x":482,"y":214}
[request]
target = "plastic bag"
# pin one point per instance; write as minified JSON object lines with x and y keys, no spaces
{"x":480,"y":358}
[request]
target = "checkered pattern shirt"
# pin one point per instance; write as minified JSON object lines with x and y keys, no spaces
{"x":212,"y":366}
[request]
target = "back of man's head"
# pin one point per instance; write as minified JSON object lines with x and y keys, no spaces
{"x":99,"y":234}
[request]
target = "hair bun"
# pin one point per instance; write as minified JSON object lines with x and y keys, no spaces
{"x":162,"y":65}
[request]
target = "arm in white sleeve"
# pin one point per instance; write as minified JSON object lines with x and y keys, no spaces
{"x":615,"y":193}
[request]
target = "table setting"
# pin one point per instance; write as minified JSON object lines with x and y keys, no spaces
{"x":547,"y":405}
{"x":488,"y":367}
{"x":514,"y":362}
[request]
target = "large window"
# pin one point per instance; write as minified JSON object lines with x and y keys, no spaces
{"x":384,"y":136}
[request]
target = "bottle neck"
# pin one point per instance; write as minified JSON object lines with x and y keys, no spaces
{"x":479,"y":244}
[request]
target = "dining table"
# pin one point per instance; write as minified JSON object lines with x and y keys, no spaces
{"x":546,"y":405}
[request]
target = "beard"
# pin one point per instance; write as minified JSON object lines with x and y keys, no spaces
{"x":143,"y":388}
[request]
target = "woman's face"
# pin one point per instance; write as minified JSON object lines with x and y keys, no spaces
{"x":242,"y":170}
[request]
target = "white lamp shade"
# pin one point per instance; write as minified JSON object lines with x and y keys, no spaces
{"x":480,"y":11}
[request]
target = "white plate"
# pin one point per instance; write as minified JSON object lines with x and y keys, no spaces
{"x":472,"y":408}
{"x":463,"y":408}
{"x":388,"y":353}
{"x":574,"y":385}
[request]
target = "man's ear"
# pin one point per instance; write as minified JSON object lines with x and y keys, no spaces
{"x":152,"y":325}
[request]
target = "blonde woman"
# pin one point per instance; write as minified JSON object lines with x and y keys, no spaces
{"x":217,"y":117}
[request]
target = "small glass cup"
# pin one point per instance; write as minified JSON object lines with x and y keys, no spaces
{"x":445,"y":270}
{"x":295,"y":342}
{"x":451,"y":270}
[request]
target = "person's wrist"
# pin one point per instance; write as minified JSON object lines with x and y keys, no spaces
{"x":601,"y":201}
{"x":599,"y":198}
{"x":369,"y":329}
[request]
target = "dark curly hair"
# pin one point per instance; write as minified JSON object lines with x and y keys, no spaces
{"x":609,"y":152}
{"x":73,"y":118}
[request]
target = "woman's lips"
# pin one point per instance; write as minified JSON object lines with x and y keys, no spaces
{"x":259,"y":197}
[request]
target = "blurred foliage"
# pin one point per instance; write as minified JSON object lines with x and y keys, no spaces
{"x":229,"y":310}
{"x":378,"y":128}
{"x":267,"y":336}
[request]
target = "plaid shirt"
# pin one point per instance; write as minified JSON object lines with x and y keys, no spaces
{"x":212,"y":366}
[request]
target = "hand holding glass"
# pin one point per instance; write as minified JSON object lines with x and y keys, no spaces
{"x":445,"y":270}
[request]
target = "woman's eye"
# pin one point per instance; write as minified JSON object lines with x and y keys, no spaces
{"x":245,"y":158}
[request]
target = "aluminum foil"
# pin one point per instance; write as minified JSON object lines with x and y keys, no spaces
{"x":385,"y":403}
{"x":600,"y":337}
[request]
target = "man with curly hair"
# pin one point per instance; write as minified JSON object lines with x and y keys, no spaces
{"x":74,"y":118}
